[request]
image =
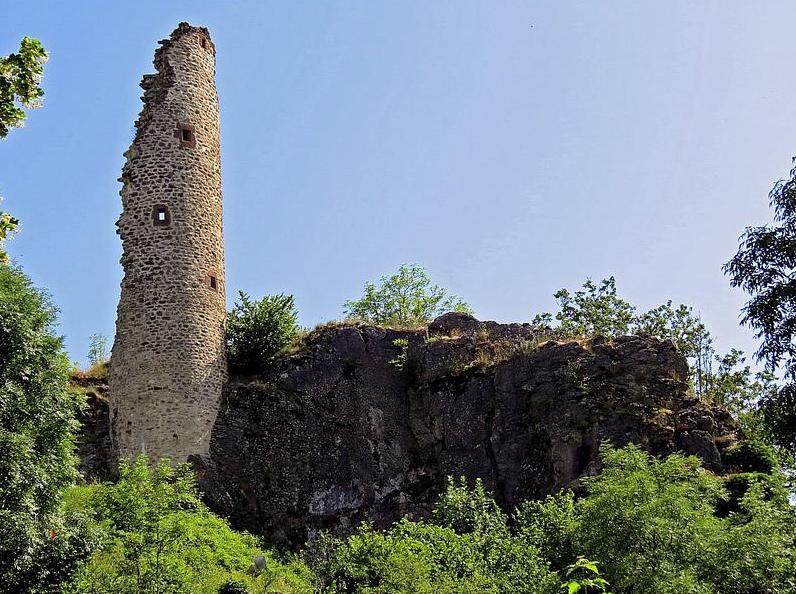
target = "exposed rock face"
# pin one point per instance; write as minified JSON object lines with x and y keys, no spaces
{"x":94,"y":442}
{"x":358,"y":426}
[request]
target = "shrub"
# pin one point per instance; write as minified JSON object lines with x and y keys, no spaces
{"x":233,"y":587}
{"x":467,"y":548}
{"x":583,"y":576}
{"x":259,"y":331}
{"x":750,"y":456}
{"x":161,"y":538}
{"x":98,"y":349}
{"x":653,"y":525}
{"x":648,"y":520}
{"x":466,"y":510}
{"x":100,"y":371}
{"x":420,"y":557}
{"x":548,"y":525}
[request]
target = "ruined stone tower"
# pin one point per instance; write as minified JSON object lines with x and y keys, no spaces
{"x":168,"y":365}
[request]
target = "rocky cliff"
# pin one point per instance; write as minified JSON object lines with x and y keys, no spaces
{"x":366,"y":423}
{"x":95,"y":455}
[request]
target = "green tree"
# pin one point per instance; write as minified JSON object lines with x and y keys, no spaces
{"x":467,"y":548}
{"x":468,"y":510}
{"x":37,"y":420}
{"x":20,"y":78}
{"x":8,"y":225}
{"x":765,"y":268}
{"x":259,"y":331}
{"x":596,"y":309}
{"x":407,"y":298}
{"x":678,"y":324}
{"x":654,"y":527}
{"x":648,"y":520}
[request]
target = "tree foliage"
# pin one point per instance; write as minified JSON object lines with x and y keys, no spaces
{"x":98,"y":357}
{"x":20,"y":78}
{"x":8,"y":224}
{"x":37,"y":417}
{"x":160,"y":538}
{"x":20,"y":83}
{"x":407,"y":298}
{"x":651,"y":526}
{"x":583,"y":576}
{"x":468,"y":548}
{"x":596,"y":309}
{"x":259,"y":331}
{"x":98,"y":349}
{"x":765,"y":268}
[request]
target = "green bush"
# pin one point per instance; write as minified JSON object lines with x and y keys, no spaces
{"x":468,"y":548}
{"x":38,"y":547}
{"x":161,"y":538}
{"x":233,"y":587}
{"x":259,"y":331}
{"x":418,"y":557}
{"x":649,"y":521}
{"x":750,"y":456}
{"x":653,"y":525}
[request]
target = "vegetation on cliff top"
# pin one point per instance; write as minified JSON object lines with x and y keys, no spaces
{"x":258,"y":331}
{"x":406,"y":299}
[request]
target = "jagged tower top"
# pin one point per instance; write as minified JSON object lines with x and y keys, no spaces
{"x":156,"y":85}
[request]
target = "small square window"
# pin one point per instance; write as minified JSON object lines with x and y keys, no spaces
{"x":161,"y":216}
{"x":213,"y":282}
{"x":185,"y":134}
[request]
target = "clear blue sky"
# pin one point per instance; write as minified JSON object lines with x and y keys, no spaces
{"x":512,"y":148}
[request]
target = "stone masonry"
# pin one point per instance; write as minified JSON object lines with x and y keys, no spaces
{"x":168,"y":365}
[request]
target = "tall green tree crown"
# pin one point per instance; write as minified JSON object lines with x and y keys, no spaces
{"x":765,"y":268}
{"x":37,"y":418}
{"x":407,"y":298}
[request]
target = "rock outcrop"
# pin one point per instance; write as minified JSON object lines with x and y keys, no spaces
{"x":366,"y":423}
{"x":94,"y":450}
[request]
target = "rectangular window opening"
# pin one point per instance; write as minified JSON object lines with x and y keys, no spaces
{"x":161,"y":216}
{"x":187,"y":136}
{"x":213,"y":282}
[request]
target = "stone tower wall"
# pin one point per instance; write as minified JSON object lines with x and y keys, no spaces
{"x":168,"y":365}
